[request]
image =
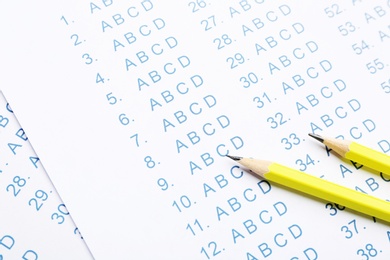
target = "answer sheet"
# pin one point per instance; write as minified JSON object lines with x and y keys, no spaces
{"x":132,"y":107}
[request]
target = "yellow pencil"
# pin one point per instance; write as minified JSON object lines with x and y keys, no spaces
{"x":318,"y":187}
{"x":357,"y":153}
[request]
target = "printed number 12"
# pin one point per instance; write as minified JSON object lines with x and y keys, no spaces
{"x":212,"y":245}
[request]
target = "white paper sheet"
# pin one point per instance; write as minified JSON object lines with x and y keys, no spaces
{"x":132,"y":107}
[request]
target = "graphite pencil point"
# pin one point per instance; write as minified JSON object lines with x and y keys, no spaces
{"x":317,"y":137}
{"x":235,"y":158}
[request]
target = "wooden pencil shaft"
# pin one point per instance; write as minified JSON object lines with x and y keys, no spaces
{"x":369,"y":157}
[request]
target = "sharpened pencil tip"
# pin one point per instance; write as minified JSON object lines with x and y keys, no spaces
{"x":317,"y":137}
{"x":234,"y":158}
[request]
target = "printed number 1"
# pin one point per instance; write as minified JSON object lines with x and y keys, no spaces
{"x":63,"y":19}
